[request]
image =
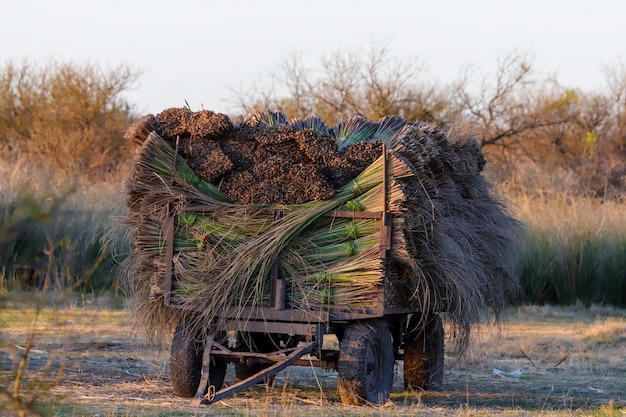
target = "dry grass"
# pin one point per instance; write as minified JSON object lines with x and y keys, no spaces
{"x":573,"y":361}
{"x":567,"y":215}
{"x":576,"y":248}
{"x":52,"y":227}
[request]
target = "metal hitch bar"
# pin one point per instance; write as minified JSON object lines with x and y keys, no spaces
{"x":214,"y":348}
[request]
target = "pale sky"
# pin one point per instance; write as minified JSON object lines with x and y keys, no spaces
{"x":199,"y":51}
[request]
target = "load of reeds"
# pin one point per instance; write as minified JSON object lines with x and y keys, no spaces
{"x":242,"y":199}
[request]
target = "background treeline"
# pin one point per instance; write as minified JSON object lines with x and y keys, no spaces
{"x":556,"y":154}
{"x":525,"y":120}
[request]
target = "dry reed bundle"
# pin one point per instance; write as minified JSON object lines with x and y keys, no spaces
{"x":453,"y":241}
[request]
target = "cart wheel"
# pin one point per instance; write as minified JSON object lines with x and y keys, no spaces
{"x":186,"y":364}
{"x":259,"y":343}
{"x":366,"y":363}
{"x":424,"y":354}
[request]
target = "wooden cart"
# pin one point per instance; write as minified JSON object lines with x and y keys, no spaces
{"x":276,"y":336}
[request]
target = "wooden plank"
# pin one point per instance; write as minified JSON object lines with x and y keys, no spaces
{"x":168,"y":231}
{"x":354,"y":214}
{"x":273,"y":327}
{"x":277,"y":285}
{"x":280,"y":288}
{"x":271,"y":314}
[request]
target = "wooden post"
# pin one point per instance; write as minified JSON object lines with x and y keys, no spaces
{"x":278,"y":288}
{"x":168,"y":231}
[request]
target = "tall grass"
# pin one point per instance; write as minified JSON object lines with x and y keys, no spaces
{"x":52,"y":229}
{"x":575,"y":250}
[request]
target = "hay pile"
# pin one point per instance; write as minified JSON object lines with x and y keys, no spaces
{"x":244,"y":195}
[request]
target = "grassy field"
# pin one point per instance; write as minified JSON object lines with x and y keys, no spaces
{"x":88,"y":360}
{"x":575,"y":250}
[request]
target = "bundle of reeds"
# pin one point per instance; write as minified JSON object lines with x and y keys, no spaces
{"x":452,"y":240}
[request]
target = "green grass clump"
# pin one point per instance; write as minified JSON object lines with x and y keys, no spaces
{"x":575,"y":251}
{"x":583,"y":268}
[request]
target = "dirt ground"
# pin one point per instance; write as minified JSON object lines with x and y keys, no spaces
{"x":572,"y":361}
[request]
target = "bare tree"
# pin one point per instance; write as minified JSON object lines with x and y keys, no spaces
{"x":616,"y":81}
{"x":393,"y":86}
{"x":259,"y":94}
{"x":504,"y":107}
{"x":370,"y":83}
{"x":296,"y":79}
{"x":336,"y":94}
